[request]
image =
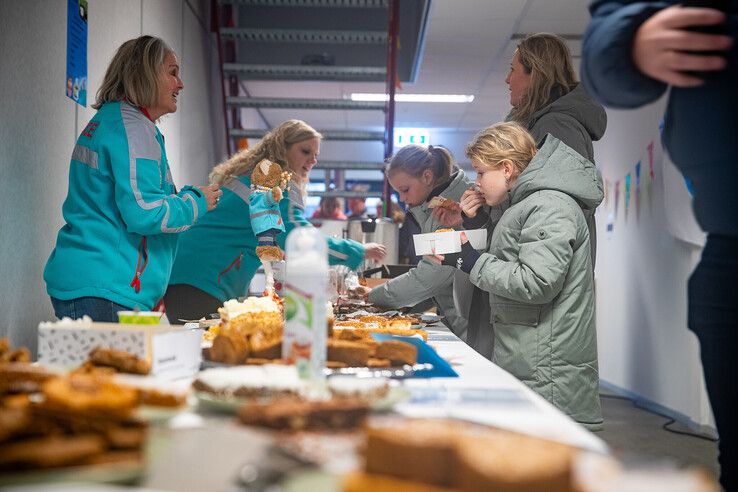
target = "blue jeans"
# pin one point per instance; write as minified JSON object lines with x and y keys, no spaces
{"x":96,"y":308}
{"x":713,"y":317}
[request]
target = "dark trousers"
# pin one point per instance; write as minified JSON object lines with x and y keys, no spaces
{"x":713,"y":317}
{"x":184,"y":301}
{"x":98,"y":309}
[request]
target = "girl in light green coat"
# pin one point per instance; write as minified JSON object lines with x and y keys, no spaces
{"x":537,"y":268}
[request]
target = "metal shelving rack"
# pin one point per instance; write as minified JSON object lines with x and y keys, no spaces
{"x":234,"y":74}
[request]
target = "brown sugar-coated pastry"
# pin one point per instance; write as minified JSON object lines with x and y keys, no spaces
{"x":12,"y":420}
{"x":354,"y":354}
{"x":398,"y":352}
{"x":8,"y":355}
{"x":50,"y":451}
{"x":19,"y":355}
{"x":379,"y":363}
{"x":156,"y":398}
{"x":334,"y":364}
{"x":12,"y":372}
{"x":89,"y":395}
{"x":401,"y":332}
{"x":87,"y":367}
{"x":120,"y":360}
{"x":125,"y":437}
{"x":22,"y":378}
{"x":402,"y":324}
{"x":253,"y":361}
{"x":299,"y":414}
{"x":20,"y":400}
{"x":350,"y":334}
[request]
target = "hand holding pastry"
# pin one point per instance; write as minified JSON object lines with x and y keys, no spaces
{"x":447,"y":217}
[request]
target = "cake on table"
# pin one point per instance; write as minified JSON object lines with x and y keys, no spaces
{"x":251,"y":328}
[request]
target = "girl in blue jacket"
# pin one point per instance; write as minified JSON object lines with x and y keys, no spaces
{"x":122,"y":211}
{"x":216,"y":259}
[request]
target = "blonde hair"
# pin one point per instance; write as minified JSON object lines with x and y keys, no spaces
{"x":273,"y":146}
{"x":547,"y":59}
{"x":503,"y":141}
{"x":133,"y":73}
{"x":414,"y":160}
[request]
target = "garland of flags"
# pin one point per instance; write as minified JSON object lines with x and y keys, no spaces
{"x":630,"y":188}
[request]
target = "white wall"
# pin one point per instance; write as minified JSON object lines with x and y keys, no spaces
{"x":39,"y":125}
{"x":641,"y":276}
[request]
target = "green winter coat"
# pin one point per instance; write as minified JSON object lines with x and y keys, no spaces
{"x":539,"y":277}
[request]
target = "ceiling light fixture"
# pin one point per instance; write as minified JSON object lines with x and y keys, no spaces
{"x":439,"y":98}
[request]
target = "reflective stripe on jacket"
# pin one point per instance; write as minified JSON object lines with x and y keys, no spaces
{"x":218,"y":254}
{"x":121,"y":213}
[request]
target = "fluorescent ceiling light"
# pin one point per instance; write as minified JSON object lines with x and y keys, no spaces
{"x":440,"y":98}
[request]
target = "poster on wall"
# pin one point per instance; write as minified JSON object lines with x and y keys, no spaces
{"x":76,"y":83}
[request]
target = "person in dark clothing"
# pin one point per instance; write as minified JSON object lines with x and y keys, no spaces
{"x":633,"y":50}
{"x":409,"y":228}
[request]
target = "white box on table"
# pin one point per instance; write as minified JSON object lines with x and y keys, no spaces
{"x":448,"y":242}
{"x":172,"y":350}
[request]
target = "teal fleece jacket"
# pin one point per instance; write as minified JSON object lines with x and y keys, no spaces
{"x":218,"y":255}
{"x":122,"y":213}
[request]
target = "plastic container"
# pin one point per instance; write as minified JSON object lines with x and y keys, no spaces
{"x":306,"y":281}
{"x":139,"y":317}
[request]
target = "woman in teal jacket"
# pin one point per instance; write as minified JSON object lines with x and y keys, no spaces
{"x":537,"y":269}
{"x":122,"y":211}
{"x":216,"y":259}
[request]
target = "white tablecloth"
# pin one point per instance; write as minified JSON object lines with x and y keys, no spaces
{"x":486,"y":394}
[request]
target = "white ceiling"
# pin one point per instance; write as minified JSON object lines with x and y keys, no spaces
{"x":468,"y":47}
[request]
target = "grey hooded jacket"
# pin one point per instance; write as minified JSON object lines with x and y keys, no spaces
{"x":429,"y":280}
{"x":539,"y":277}
{"x":574,"y":118}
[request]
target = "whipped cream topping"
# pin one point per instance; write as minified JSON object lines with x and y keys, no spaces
{"x":351,"y":385}
{"x":272,"y":376}
{"x":82,"y":322}
{"x":232,"y":309}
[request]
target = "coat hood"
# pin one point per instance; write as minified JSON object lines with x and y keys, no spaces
{"x":579,"y":106}
{"x":558,"y":167}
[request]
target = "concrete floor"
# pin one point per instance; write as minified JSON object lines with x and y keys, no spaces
{"x":636,"y":437}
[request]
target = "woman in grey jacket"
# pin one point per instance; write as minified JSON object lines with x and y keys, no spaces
{"x":547,"y":98}
{"x":537,"y":269}
{"x":418,"y":174}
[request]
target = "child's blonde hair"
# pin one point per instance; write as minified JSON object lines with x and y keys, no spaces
{"x":273,"y":146}
{"x":502,"y":141}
